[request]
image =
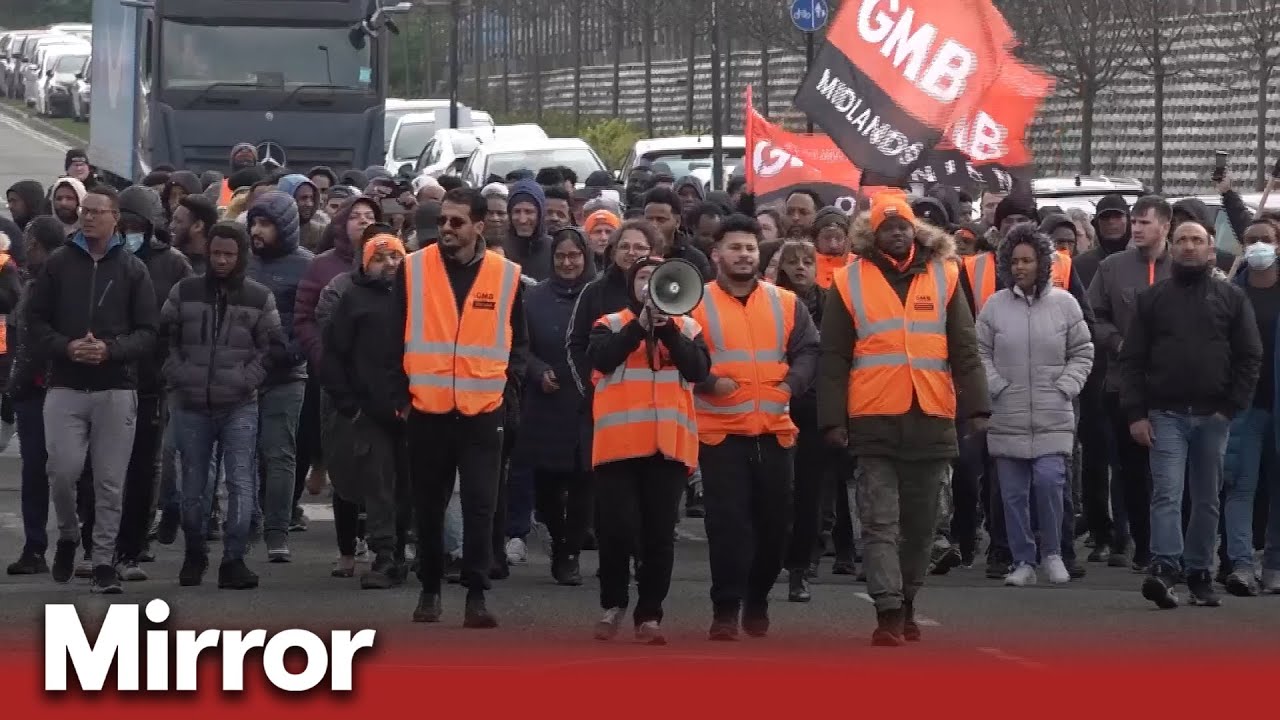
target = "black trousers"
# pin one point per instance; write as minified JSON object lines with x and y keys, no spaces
{"x":746,"y":487}
{"x":1135,"y":474}
{"x":442,"y":448}
{"x":966,"y":492}
{"x":638,"y":502}
{"x":564,"y":505}
{"x":817,"y":473}
{"x":310,"y":448}
{"x":141,"y":479}
{"x":837,"y":515}
{"x":1095,"y":465}
{"x":500,"y":499}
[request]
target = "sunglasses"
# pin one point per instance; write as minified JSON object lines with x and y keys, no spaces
{"x":456,"y":223}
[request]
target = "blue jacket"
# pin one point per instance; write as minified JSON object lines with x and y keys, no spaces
{"x":532,"y":254}
{"x":280,"y":268}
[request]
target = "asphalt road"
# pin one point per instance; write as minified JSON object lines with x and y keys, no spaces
{"x":966,"y":614}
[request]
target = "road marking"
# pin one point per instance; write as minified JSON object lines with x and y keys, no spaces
{"x":999,"y":654}
{"x":32,"y":133}
{"x":921,"y":620}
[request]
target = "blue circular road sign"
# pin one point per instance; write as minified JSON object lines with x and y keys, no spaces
{"x":810,"y":15}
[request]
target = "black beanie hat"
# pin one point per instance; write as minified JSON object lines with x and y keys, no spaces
{"x":829,"y":216}
{"x":73,"y":155}
{"x":1019,"y":204}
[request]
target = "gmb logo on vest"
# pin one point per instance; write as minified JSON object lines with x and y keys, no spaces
{"x":923,"y":303}
{"x":484,"y":301}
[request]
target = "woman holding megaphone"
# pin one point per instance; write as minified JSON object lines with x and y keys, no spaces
{"x":645,"y":441}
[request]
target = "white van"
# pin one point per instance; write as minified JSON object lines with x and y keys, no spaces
{"x":397,"y":108}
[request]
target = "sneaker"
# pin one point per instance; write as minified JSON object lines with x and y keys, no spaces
{"x":64,"y":561}
{"x":889,"y":630}
{"x":1023,"y":575}
{"x":235,"y":575}
{"x":105,"y":581}
{"x":84,"y":568}
{"x":1057,"y":570}
{"x":1271,"y":582}
{"x":1158,"y":588}
{"x":1242,"y":582}
{"x":146,"y":555}
{"x":130,"y":571}
{"x":944,"y":558}
{"x":278,"y":547}
{"x":650,"y":633}
{"x":1200,"y":588}
{"x":192,"y":571}
{"x":298,"y":523}
{"x":607,"y":627}
{"x":724,"y":629}
{"x":1119,"y":558}
{"x":167,"y":528}
{"x":517,"y":553}
{"x":382,"y":575}
{"x":998,"y":566}
{"x":362,"y":550}
{"x":28,"y":564}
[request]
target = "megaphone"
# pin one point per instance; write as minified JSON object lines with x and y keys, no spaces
{"x":675,"y":287}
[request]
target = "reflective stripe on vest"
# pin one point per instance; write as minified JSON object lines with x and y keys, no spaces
{"x":458,"y":362}
{"x":638,"y":411}
{"x":1060,"y":274}
{"x":982,"y":278}
{"x":748,"y":344}
{"x":901,"y":350}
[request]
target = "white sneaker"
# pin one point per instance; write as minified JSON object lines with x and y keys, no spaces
{"x":650,"y":633}
{"x":1057,"y":570}
{"x":7,"y":429}
{"x":608,"y":626}
{"x":1021,"y":576}
{"x":362,"y":550}
{"x":131,"y":572}
{"x":517,"y":553}
{"x":1271,"y":582}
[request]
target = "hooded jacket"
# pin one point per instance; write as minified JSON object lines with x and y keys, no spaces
{"x":313,"y":229}
{"x":188,"y":181}
{"x":339,"y":259}
{"x":111,"y":297}
{"x":1196,"y":209}
{"x":360,"y":369}
{"x":166,"y":266}
{"x":912,"y":435}
{"x":219,"y":333}
{"x":281,"y":269}
{"x":607,"y":293}
{"x":78,"y":187}
{"x":26,"y":373}
{"x":690,"y":181}
{"x":237,"y":149}
{"x":1037,"y":355}
{"x":532,"y":254}
{"x":34,"y":200}
{"x":552,"y":436}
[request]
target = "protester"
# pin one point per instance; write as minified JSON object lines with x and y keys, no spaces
{"x":307,"y":197}
{"x":662,"y":208}
{"x":802,"y":209}
{"x":65,"y":196}
{"x":189,"y":229}
{"x":526,"y":243}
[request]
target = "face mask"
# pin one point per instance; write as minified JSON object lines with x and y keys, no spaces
{"x":1260,"y":256}
{"x":133,"y":241}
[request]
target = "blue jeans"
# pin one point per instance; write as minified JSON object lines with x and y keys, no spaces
{"x":280,"y":408}
{"x":236,"y":433}
{"x":1017,"y":477}
{"x":35,"y":477}
{"x":1187,"y":451}
{"x":1253,"y":437}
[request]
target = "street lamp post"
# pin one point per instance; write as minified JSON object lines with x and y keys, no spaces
{"x":455,"y":20}
{"x":717,"y":162}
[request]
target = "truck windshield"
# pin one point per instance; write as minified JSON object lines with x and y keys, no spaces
{"x":199,"y":55}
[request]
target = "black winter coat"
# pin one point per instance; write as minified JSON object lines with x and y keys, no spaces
{"x":359,"y":369}
{"x":606,"y":294}
{"x":553,"y":436}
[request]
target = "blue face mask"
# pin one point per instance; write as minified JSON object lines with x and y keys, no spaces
{"x":133,"y":241}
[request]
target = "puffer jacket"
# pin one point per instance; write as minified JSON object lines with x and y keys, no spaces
{"x":1037,"y":355}
{"x":219,"y":334}
{"x":281,"y":268}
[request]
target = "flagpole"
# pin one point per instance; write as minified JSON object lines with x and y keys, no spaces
{"x":717,"y":162}
{"x":808,"y":63}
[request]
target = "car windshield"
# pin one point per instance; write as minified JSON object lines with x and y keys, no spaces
{"x":71,"y":64}
{"x":199,"y":55}
{"x":412,"y":139}
{"x":684,"y":162}
{"x":580,"y":161}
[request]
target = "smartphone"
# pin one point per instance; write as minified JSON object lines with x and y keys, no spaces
{"x":1221,"y":159}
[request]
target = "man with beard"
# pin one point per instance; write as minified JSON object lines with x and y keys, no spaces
{"x":764,"y":351}
{"x":558,"y":211}
{"x":143,"y":223}
{"x":192,"y":220}
{"x":662,"y":208}
{"x":527,"y":244}
{"x":461,"y":349}
{"x":1189,"y":364}
{"x":279,"y":263}
{"x":66,"y":196}
{"x":802,"y":210}
{"x":26,"y":201}
{"x":359,"y":374}
{"x":307,"y":196}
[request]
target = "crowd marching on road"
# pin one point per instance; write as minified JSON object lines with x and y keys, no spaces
{"x":188,"y":355}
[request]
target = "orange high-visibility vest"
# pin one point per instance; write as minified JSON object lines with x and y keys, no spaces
{"x":748,"y":344}
{"x":4,"y":325}
{"x":981,"y":269}
{"x":1060,"y":274}
{"x":827,"y":266}
{"x":640,"y":412}
{"x":901,"y":351}
{"x":224,"y":197}
{"x":458,"y":363}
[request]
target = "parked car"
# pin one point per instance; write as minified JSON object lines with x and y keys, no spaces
{"x":81,"y":94}
{"x":500,"y":158}
{"x":60,"y":85}
{"x":448,"y":151}
{"x":688,"y":155}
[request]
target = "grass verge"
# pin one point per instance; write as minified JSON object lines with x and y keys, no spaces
{"x":67,"y":125}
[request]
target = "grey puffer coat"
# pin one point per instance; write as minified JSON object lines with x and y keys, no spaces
{"x":1037,"y":354}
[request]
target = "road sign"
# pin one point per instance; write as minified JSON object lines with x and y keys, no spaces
{"x":810,"y":15}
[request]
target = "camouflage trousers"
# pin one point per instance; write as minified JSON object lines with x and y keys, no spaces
{"x":898,"y":507}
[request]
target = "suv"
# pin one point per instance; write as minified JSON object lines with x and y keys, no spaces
{"x":500,"y":158}
{"x":689,"y":155}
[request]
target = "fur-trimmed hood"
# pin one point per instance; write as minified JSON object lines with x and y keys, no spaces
{"x":1029,"y":234}
{"x":938,"y":242}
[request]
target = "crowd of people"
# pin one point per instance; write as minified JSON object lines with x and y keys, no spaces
{"x":189,"y":354}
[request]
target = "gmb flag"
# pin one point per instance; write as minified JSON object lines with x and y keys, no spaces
{"x":780,"y":162}
{"x":895,"y":75}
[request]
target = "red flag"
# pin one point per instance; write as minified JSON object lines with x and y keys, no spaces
{"x":781,"y":162}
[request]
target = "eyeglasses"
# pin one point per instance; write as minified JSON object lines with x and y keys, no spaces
{"x":455,"y":222}
{"x":568,"y":257}
{"x":95,"y":212}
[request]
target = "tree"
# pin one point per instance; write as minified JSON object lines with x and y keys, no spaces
{"x":1249,"y":43}
{"x":1157,"y":27}
{"x":695,"y":19}
{"x":1085,"y":44}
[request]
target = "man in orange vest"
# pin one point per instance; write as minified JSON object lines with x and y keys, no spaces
{"x":764,"y":351}
{"x":899,"y":365}
{"x":464,"y":339}
{"x":644,"y":448}
{"x":830,"y":234}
